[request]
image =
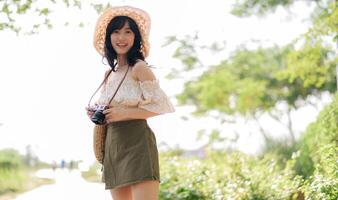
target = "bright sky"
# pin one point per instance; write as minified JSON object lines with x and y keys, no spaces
{"x":47,"y":79}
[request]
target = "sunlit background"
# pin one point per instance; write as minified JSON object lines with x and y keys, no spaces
{"x":46,"y":78}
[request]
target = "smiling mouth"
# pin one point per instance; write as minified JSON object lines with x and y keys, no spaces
{"x":122,"y":45}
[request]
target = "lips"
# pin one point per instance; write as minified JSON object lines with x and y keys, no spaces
{"x":121,"y":45}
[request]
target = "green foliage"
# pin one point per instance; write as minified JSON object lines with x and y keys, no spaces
{"x":307,"y":81}
{"x":312,"y":68}
{"x":251,"y":81}
{"x":325,"y":20}
{"x":319,"y":154}
{"x":258,"y":7}
{"x":11,"y":174}
{"x":324,"y":16}
{"x":246,"y":83}
{"x":228,"y":176}
{"x":11,"y":10}
{"x":281,"y":147}
{"x":11,"y":180}
{"x":93,"y":175}
{"x":100,"y":7}
{"x":10,"y":159}
{"x":186,"y":50}
{"x":177,"y":182}
{"x":324,"y":182}
{"x":322,"y":132}
{"x":274,"y":175}
{"x":245,"y":8}
{"x":16,"y":175}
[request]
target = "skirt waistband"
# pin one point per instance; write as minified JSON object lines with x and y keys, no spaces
{"x":127,"y":122}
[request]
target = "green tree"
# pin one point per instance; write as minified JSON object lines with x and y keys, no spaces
{"x":251,"y":83}
{"x":324,"y":29}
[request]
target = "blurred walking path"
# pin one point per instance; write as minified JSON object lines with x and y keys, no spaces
{"x":69,"y":185}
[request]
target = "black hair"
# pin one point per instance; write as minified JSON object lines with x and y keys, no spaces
{"x":134,"y":52}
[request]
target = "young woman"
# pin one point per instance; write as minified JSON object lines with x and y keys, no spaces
{"x":130,"y":165}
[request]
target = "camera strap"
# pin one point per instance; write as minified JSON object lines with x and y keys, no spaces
{"x":104,"y":80}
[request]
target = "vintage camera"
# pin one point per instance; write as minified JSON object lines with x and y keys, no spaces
{"x":98,"y":117}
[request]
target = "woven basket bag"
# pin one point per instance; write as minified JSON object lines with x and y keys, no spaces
{"x":99,"y":138}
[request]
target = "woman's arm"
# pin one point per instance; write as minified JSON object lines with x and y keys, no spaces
{"x":121,"y":113}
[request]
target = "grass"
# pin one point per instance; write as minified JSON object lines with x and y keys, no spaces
{"x":92,"y":174}
{"x":29,"y":182}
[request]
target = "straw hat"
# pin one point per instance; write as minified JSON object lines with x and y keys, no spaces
{"x":141,"y":18}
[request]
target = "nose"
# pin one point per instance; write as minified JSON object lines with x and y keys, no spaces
{"x":121,"y":36}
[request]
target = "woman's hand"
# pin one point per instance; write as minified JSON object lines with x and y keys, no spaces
{"x":114,"y":114}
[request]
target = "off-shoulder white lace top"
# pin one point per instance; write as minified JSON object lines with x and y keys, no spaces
{"x":147,"y":94}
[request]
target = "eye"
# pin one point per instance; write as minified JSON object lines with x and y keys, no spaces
{"x":129,"y":31}
{"x":116,"y":31}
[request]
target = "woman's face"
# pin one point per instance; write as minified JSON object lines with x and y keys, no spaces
{"x":122,"y":39}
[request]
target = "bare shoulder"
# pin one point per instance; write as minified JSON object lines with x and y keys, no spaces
{"x":141,"y":72}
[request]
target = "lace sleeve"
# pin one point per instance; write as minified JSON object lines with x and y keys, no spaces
{"x":153,"y":98}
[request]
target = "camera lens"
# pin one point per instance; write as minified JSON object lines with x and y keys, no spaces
{"x":98,"y":117}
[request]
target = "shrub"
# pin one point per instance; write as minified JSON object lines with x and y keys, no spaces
{"x":228,"y":176}
{"x":319,"y":155}
{"x":11,"y":173}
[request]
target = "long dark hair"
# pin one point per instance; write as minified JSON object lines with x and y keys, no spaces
{"x":134,"y":52}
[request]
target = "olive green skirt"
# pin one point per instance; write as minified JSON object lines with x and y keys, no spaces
{"x":131,"y":154}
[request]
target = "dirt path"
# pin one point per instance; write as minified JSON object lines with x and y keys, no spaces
{"x":68,"y":186}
